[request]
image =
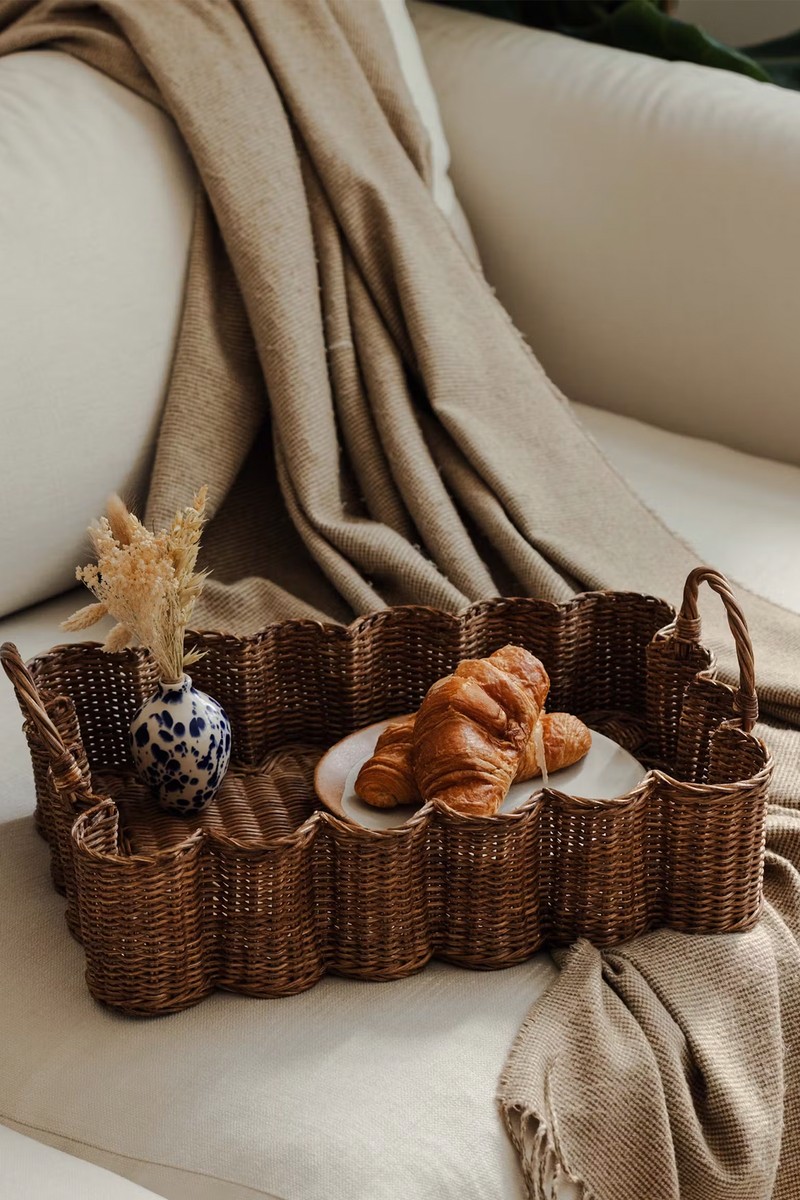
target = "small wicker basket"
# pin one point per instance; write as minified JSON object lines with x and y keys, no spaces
{"x":264,"y":892}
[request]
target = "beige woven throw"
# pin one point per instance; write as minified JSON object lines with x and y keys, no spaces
{"x":374,"y":431}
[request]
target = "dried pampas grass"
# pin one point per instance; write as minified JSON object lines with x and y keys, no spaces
{"x":148,"y":582}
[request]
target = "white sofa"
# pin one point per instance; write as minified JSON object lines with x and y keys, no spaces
{"x":638,"y":220}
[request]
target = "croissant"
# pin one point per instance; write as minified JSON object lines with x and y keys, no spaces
{"x":473,"y":727}
{"x":566,"y":741}
{"x":387,"y":779}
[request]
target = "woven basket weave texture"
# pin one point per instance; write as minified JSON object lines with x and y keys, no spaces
{"x":263,"y":893}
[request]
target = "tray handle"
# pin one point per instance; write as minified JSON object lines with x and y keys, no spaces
{"x":687,"y":634}
{"x":67,"y":775}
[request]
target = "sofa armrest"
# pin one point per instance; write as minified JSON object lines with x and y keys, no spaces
{"x":638,"y":219}
{"x":30,"y":1170}
{"x":96,"y":210}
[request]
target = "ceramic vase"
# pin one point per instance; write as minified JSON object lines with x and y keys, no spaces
{"x":181,"y":745}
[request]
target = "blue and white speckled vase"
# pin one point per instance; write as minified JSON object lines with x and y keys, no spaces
{"x":181,"y":746}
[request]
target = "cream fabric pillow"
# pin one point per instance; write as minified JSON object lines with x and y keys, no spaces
{"x":32,"y":1171}
{"x":95,"y":216}
{"x":638,"y":219}
{"x":96,"y":199}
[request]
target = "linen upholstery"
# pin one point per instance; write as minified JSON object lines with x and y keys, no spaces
{"x":31,"y":1171}
{"x":736,"y":510}
{"x":95,"y":221}
{"x":365,"y":518}
{"x":637,"y":218}
{"x":346,"y":1092}
{"x":667,"y":466}
{"x":347,"y":299}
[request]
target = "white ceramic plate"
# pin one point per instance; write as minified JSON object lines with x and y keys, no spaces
{"x":607,"y":771}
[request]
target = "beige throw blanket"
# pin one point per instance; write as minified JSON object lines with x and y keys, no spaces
{"x":374,"y":431}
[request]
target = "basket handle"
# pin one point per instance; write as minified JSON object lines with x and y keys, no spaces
{"x":687,"y":633}
{"x":67,"y":775}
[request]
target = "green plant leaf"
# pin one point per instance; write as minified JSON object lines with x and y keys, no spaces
{"x":780,"y":58}
{"x":643,"y":26}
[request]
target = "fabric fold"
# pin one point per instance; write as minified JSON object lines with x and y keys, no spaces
{"x":375,"y":431}
{"x":681,"y":1052}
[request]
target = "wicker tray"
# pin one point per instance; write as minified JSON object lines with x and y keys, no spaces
{"x":263,"y":893}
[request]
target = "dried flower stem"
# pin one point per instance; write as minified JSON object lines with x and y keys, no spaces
{"x":147,"y":581}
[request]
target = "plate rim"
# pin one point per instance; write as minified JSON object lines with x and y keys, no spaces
{"x":339,"y":812}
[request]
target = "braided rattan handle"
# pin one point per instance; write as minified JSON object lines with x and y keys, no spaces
{"x":687,"y":630}
{"x":67,"y":775}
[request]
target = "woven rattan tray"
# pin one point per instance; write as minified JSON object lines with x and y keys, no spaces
{"x":263,"y":893}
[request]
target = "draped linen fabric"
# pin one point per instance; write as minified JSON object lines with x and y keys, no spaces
{"x":373,"y":430}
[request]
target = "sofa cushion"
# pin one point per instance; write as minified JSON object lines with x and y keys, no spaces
{"x":637,"y":218}
{"x":352,"y":1088}
{"x":739,"y":512}
{"x":349,"y":1090}
{"x":31,"y":1171}
{"x":94,"y":232}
